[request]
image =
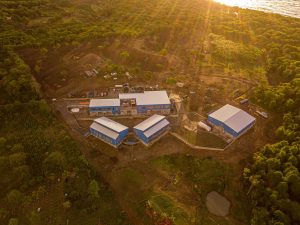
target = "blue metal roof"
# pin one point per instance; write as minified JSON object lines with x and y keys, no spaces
{"x":146,"y":124}
{"x":104,"y":102}
{"x":112,"y":134}
{"x":117,"y":127}
{"x":235,"y":118}
{"x":239,"y":121}
{"x":160,"y":125}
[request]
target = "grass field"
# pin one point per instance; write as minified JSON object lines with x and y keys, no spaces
{"x":163,"y":205}
{"x":203,"y":175}
{"x":176,"y":187}
{"x":210,"y":140}
{"x":203,"y":138}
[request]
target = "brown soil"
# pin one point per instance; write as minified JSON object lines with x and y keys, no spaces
{"x":138,"y":55}
{"x":92,"y":59}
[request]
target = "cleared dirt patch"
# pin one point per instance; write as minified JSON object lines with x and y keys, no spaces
{"x":90,"y":61}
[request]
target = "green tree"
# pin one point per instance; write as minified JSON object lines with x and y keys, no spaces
{"x":163,"y":52}
{"x":14,"y":199}
{"x":281,"y":217}
{"x":275,"y":177}
{"x":67,"y":204}
{"x":93,"y":190}
{"x":17,"y":148}
{"x":124,"y":55}
{"x":17,"y":159}
{"x":4,"y":163}
{"x":44,"y":52}
{"x":282,"y":189}
{"x":13,"y":221}
{"x":260,"y":216}
{"x":54,"y":163}
{"x":290,"y":103}
{"x":35,"y":218}
{"x":2,"y":144}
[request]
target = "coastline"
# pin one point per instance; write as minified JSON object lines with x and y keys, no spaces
{"x":290,"y":10}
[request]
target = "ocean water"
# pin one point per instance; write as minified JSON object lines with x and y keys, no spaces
{"x":284,"y":7}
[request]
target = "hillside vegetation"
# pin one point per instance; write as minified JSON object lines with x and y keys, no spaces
{"x":235,"y":38}
{"x":273,"y":179}
{"x":43,"y":173}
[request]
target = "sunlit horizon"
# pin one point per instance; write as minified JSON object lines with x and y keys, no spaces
{"x":284,"y":7}
{"x":241,"y":3}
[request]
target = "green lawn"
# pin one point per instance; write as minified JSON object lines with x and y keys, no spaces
{"x":210,"y":140}
{"x":203,"y":138}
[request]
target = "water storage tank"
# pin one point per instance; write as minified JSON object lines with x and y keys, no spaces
{"x":204,"y":126}
{"x":75,"y":110}
{"x":244,"y":101}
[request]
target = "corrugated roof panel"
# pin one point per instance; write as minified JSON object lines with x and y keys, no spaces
{"x":148,"y":97}
{"x":224,"y":113}
{"x":104,"y":102}
{"x":239,"y":121}
{"x":112,"y":134}
{"x":111,"y":124}
{"x":160,"y":125}
{"x":154,"y":98}
{"x":149,"y":122}
{"x":130,"y":95}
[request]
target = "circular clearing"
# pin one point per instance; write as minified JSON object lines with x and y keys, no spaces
{"x":217,"y":204}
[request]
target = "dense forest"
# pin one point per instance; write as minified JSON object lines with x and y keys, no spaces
{"x":38,"y":156}
{"x":273,"y":179}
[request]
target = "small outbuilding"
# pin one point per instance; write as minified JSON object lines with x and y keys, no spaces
{"x":151,"y":128}
{"x":109,"y":131}
{"x":232,"y":120}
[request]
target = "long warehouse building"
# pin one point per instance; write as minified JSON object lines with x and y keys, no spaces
{"x":148,"y":102}
{"x":109,"y":131}
{"x":151,"y":128}
{"x":232,"y":120}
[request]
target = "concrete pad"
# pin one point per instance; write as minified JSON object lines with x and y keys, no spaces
{"x":217,"y":204}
